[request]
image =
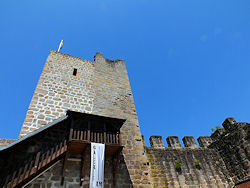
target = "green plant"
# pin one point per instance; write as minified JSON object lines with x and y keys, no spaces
{"x":196,"y":163}
{"x":177,"y":165}
{"x":216,"y":128}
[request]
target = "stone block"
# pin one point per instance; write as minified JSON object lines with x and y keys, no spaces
{"x":156,"y":142}
{"x":229,"y":123}
{"x":173,"y":142}
{"x":189,"y":141}
{"x":204,"y":141}
{"x":217,"y":134}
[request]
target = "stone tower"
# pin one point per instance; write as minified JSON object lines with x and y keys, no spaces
{"x":77,"y":102}
{"x":100,"y":87}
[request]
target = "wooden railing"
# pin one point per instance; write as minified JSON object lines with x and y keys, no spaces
{"x":34,"y":166}
{"x":95,"y":136}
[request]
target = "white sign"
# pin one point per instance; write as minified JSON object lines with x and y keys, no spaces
{"x":97,"y":165}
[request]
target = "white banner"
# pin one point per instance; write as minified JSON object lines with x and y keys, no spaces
{"x":97,"y":165}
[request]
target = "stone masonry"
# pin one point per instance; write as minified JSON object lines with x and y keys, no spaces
{"x":101,"y":87}
{"x":59,"y":90}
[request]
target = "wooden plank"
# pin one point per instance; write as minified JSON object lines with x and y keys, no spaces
{"x":78,"y":134}
{"x":51,"y":155}
{"x":12,"y":179}
{"x":64,"y":167}
{"x":19,"y":175}
{"x":65,"y":146}
{"x":81,"y":136}
{"x":83,"y":166}
{"x":116,"y":166}
{"x":15,"y":181}
{"x":54,"y":155}
{"x":59,"y":150}
{"x":70,"y":133}
{"x":6,"y":181}
{"x":41,"y":161}
{"x":85,"y":135}
{"x":117,"y":138}
{"x":110,"y":138}
{"x":30,"y":168}
{"x":89,"y":126}
{"x":120,"y":139}
{"x":34,"y":168}
{"x":46,"y":159}
{"x":101,"y":137}
{"x":24,"y":172}
{"x":113,"y":135}
{"x":75,"y":136}
{"x":104,"y":137}
{"x":97,"y":137}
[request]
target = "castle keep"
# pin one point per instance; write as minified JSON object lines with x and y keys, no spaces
{"x":77,"y":102}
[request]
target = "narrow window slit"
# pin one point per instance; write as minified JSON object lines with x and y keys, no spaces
{"x":74,"y":71}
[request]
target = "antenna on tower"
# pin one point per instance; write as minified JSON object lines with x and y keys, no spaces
{"x":60,"y":45}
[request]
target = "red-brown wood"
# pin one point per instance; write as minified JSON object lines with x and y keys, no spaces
{"x":78,"y":134}
{"x":70,"y":134}
{"x":6,"y":181}
{"x":30,"y":168}
{"x":114,"y":141}
{"x":64,"y":166}
{"x":83,"y":166}
{"x":120,"y":139}
{"x":97,"y":137}
{"x":116,"y":166}
{"x":59,"y":150}
{"x":37,"y":160}
{"x":81,"y":137}
{"x":104,"y":137}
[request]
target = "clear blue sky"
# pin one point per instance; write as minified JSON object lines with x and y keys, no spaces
{"x":188,"y":61}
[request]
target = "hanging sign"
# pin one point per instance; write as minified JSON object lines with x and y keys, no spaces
{"x":97,"y":165}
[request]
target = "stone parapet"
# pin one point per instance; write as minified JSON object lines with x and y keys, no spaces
{"x":189,"y":141}
{"x":156,"y":142}
{"x":5,"y":142}
{"x":204,"y":141}
{"x":229,"y":123}
{"x":173,"y":142}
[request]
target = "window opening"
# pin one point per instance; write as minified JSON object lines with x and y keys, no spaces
{"x":74,"y":71}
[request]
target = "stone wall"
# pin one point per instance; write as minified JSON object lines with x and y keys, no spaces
{"x":5,"y":142}
{"x":191,"y":166}
{"x":59,"y":90}
{"x":52,"y":177}
{"x":233,"y":145}
{"x":113,"y":98}
{"x":102,"y":88}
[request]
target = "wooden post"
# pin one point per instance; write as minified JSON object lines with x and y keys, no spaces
{"x":64,"y":166}
{"x":6,"y":181}
{"x":89,"y":126}
{"x":84,"y":157}
{"x":105,"y":134}
{"x":116,"y":166}
{"x":71,"y":128}
{"x":120,"y":138}
{"x":36,"y":161}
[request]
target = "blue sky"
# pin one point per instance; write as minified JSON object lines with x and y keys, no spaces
{"x":188,"y":61}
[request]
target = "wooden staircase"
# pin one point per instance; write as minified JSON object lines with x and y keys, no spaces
{"x":78,"y":142}
{"x":34,"y":167}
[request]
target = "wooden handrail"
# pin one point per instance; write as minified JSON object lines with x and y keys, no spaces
{"x":95,"y":136}
{"x":29,"y":169}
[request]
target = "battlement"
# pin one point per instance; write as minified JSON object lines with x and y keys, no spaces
{"x":226,"y":150}
{"x":156,"y":142}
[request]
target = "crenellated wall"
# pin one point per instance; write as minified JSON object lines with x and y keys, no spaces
{"x":198,"y":166}
{"x":101,"y":87}
{"x":233,"y":145}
